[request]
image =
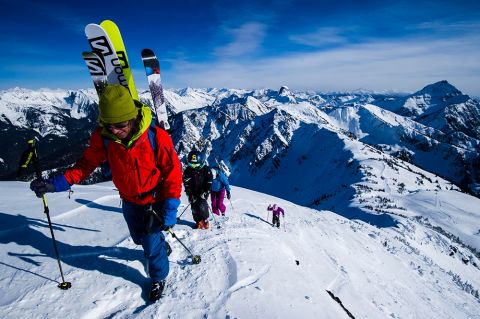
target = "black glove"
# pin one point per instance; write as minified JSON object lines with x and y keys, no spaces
{"x":191,"y":199}
{"x":228,"y":195}
{"x":40,"y":187}
{"x":205,"y":195}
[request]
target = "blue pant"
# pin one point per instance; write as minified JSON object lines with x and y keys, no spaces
{"x":152,"y":240}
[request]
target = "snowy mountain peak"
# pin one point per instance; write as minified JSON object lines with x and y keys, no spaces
{"x":38,"y":108}
{"x":256,"y":106}
{"x":284,"y":91}
{"x":285,"y":95}
{"x":432,"y":99}
{"x":444,"y":107}
{"x":440,"y":89}
{"x":186,"y":91}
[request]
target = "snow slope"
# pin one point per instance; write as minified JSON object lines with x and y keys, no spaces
{"x":248,"y":268}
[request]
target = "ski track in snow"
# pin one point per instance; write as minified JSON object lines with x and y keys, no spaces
{"x":250,"y":280}
{"x":99,"y":201}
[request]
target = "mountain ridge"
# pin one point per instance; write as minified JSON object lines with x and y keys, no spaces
{"x":24,"y":113}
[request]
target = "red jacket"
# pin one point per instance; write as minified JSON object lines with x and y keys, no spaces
{"x":135,"y":172}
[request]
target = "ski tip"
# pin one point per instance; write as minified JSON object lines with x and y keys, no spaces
{"x":147,"y":52}
{"x":109,"y":24}
{"x":92,"y":27}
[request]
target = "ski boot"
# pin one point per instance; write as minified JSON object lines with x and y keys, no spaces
{"x":156,"y":292}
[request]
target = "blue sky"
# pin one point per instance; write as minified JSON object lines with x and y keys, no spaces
{"x":315,"y":45}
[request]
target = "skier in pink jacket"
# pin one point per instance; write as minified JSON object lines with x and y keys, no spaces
{"x":276,"y":211}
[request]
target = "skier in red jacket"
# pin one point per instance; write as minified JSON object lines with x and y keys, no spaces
{"x":145,"y":169}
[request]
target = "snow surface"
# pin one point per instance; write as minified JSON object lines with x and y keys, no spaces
{"x":248,"y":270}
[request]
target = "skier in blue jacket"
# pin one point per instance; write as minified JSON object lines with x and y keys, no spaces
{"x":219,"y":186}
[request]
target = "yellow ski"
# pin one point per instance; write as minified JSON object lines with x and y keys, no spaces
{"x":116,"y":38}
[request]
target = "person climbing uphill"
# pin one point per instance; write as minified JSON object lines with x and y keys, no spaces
{"x":220,"y":185}
{"x":276,"y":211}
{"x":145,"y":169}
{"x":197,"y":179}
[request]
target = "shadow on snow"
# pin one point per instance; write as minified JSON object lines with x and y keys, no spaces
{"x":22,"y":231}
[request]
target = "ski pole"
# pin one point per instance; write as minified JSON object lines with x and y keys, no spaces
{"x":29,"y":156}
{"x":233,"y":209}
{"x":178,"y":218}
{"x":196,"y":259}
{"x":213,"y":216}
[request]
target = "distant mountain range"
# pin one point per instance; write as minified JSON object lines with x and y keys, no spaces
{"x":302,"y":145}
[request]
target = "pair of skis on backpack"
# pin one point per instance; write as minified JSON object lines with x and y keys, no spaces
{"x":108,"y":64}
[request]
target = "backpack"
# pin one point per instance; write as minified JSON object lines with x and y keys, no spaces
{"x":105,"y":167}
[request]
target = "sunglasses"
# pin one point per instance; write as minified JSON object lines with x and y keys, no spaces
{"x":194,"y":165}
{"x":118,"y":126}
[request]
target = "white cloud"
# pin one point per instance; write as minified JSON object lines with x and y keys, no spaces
{"x":245,"y":39}
{"x":321,"y":37}
{"x":399,"y":65}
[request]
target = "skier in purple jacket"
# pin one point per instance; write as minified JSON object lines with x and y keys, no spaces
{"x":276,"y":211}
